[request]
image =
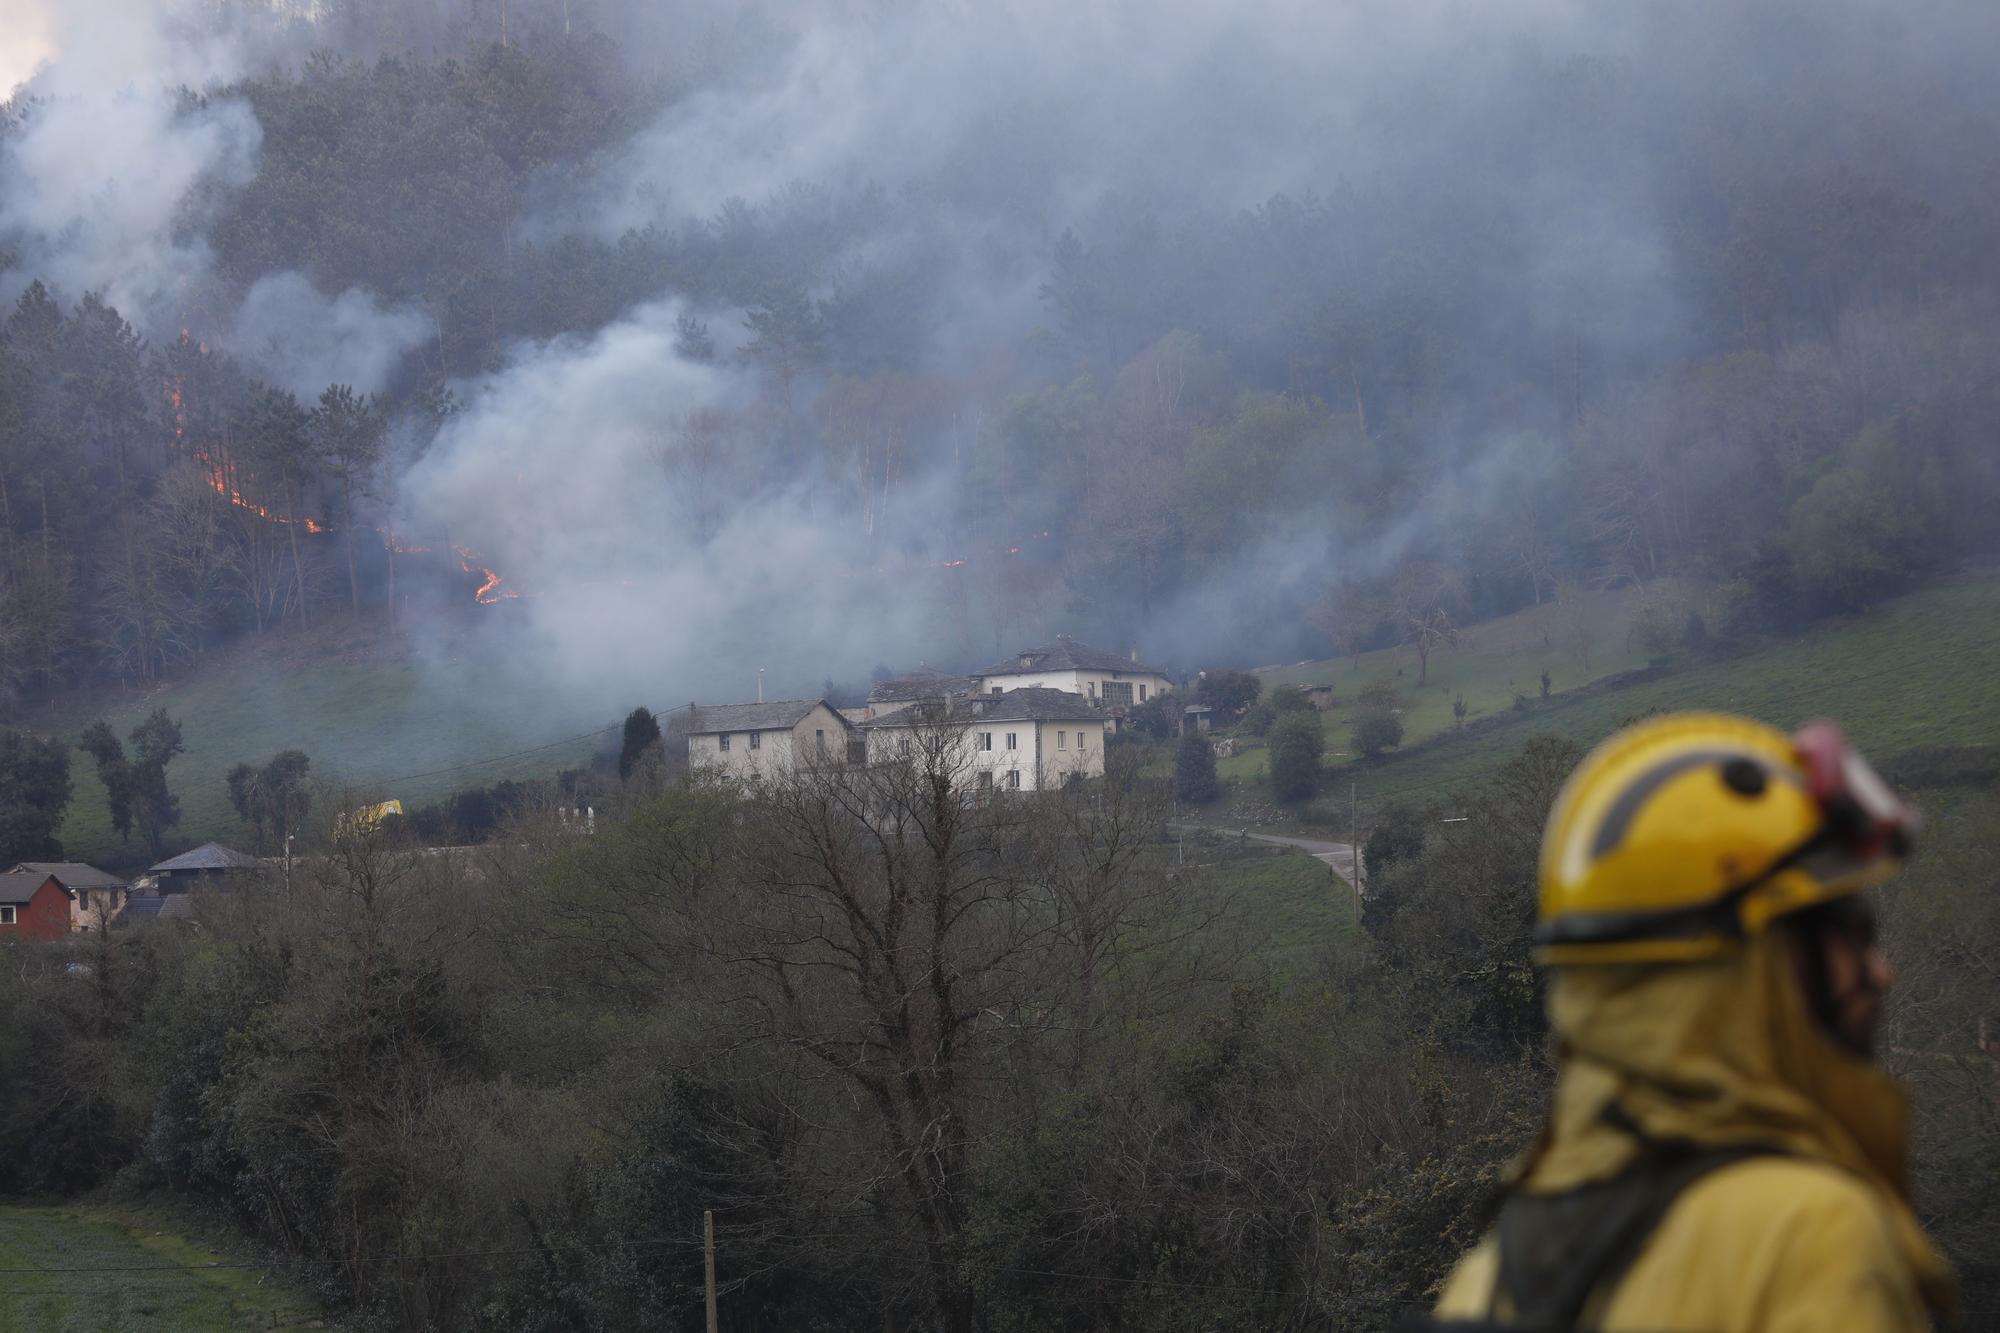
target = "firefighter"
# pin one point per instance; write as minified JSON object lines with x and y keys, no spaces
{"x":1721,"y":1152}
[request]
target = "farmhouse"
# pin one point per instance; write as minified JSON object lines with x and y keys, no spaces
{"x":33,"y":907}
{"x":95,"y":896}
{"x":1019,"y":740}
{"x":761,"y":739}
{"x":1105,"y":679}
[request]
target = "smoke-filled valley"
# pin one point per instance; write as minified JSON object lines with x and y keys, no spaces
{"x":839,"y":339}
{"x":424,"y":385}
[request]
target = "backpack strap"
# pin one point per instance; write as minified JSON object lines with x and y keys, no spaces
{"x":1562,"y":1255}
{"x":1557,"y":1251}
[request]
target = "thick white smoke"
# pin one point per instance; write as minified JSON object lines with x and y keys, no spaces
{"x":295,"y":337}
{"x":109,"y":167}
{"x":651,"y":563}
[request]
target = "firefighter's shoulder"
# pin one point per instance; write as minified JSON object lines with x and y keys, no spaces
{"x":1769,"y":1243}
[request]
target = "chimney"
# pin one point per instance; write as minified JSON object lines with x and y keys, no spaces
{"x":1135,"y":654}
{"x":760,"y":684}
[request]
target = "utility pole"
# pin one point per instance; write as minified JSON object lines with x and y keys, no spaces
{"x":1354,"y":835}
{"x":708,"y":1263}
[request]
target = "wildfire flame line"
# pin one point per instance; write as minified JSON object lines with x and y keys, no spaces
{"x":221,"y":477}
{"x":491,"y":590}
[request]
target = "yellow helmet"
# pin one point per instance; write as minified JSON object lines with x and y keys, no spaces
{"x":1680,"y":836}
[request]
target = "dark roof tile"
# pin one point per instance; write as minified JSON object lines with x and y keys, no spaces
{"x":208,"y":856}
{"x":19,"y":889}
{"x":1035,"y":704}
{"x":778,"y":715}
{"x":73,"y":874}
{"x":1063,"y":653}
{"x":920,"y":685}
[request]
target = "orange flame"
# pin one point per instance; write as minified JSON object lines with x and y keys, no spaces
{"x":179,"y":406}
{"x":222,"y":480}
{"x":491,"y":590}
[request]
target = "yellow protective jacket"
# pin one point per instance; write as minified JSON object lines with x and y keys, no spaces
{"x":1724,"y":1054}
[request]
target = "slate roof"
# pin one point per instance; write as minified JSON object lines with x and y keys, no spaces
{"x":17,"y":889}
{"x":208,"y":856}
{"x":778,"y":715}
{"x":143,"y":907}
{"x":919,"y":685}
{"x":1027,"y":705}
{"x":1063,"y":653}
{"x":73,"y":875}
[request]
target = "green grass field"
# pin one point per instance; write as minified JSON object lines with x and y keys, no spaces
{"x":1284,"y":904}
{"x":1919,"y":670}
{"x":71,"y":1269}
{"x":366,"y":712}
{"x":1494,"y":662}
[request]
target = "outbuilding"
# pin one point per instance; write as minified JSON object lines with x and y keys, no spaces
{"x":95,"y":896}
{"x":33,"y":907}
{"x":201,"y":868}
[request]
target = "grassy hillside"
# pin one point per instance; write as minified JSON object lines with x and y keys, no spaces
{"x":84,"y":1268}
{"x":1578,"y":643}
{"x":371,"y":714}
{"x":1914,"y":671}
{"x":1284,"y":904}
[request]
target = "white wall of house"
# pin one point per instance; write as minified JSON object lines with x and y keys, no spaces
{"x":772,"y":752}
{"x":91,"y":908}
{"x":1089,"y":684}
{"x":1015,"y":756}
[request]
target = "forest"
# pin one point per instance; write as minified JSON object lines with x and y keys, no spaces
{"x":648,"y":344}
{"x":1028,"y":1065}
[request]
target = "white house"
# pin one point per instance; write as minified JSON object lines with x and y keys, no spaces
{"x":1019,"y":740}
{"x":761,"y":739}
{"x":1064,"y":664}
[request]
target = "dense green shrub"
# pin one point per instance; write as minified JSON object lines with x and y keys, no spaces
{"x":1194,"y":770}
{"x":1296,"y":744}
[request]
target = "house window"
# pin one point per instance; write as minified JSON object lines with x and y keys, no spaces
{"x":1090,"y":688}
{"x":985,"y":740}
{"x":1118,"y":692}
{"x":997,"y":690}
{"x":1010,"y":741}
{"x":1062,"y":740}
{"x":1014,"y":779}
{"x":1080,"y":737}
{"x":985,"y":781}
{"x":723,"y":743}
{"x":756,"y":740}
{"x":819,"y":741}
{"x":906,"y":747}
{"x":6,"y":916}
{"x":1142,"y":694}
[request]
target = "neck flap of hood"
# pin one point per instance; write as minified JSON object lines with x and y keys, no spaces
{"x":1719,"y":1054}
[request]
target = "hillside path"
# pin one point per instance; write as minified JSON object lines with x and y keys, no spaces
{"x":1338,"y":856}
